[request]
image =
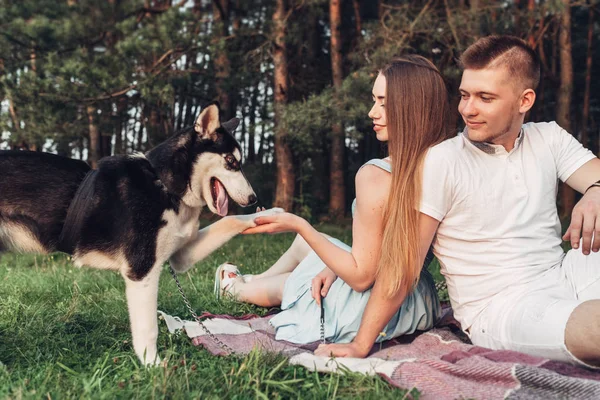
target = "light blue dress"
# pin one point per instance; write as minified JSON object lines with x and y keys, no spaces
{"x":299,"y":319}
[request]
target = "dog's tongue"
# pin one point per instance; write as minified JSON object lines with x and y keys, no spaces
{"x":222,"y":199}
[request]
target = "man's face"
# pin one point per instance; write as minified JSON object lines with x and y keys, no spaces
{"x":490,"y":106}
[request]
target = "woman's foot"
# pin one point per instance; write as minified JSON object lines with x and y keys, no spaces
{"x":226,"y":276}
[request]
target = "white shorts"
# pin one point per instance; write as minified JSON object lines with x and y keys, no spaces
{"x":532,"y":317}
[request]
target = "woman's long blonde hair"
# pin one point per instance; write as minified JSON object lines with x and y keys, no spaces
{"x":417,"y":110}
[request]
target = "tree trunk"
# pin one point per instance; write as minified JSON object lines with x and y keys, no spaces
{"x":13,"y":114}
{"x":94,"y":136}
{"x":237,"y":19}
{"x":565,"y":93}
{"x":252,"y":123}
{"x":530,"y":10}
{"x":139,"y":145}
{"x":33,"y":58}
{"x":588,"y":80}
{"x":120,"y":126}
{"x":517,"y":12}
{"x":221,"y":11}
{"x":264,"y":112}
{"x":284,"y":193}
{"x":357,"y":19}
{"x":555,"y":46}
{"x":337,"y":187}
{"x":153,"y":125}
{"x":241,"y":131}
{"x":106,"y":145}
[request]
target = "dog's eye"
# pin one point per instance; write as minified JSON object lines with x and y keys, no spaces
{"x":230,"y":159}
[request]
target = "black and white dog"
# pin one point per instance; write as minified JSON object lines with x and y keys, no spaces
{"x":132,"y":213}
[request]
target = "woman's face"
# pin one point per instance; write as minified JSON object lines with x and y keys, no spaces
{"x":377,"y":113}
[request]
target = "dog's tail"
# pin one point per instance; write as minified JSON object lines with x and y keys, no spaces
{"x":78,"y":209}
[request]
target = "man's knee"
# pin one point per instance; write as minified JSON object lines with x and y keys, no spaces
{"x":582,"y":334}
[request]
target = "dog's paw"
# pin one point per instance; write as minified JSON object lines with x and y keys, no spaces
{"x":247,"y":221}
{"x":154,"y":362}
{"x":270,"y":211}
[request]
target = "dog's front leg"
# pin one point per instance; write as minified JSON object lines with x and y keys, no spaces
{"x":212,"y":237}
{"x":142,"y":298}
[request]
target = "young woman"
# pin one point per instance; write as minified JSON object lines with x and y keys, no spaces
{"x":411,"y":113}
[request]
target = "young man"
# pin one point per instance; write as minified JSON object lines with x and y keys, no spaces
{"x":489,"y":197}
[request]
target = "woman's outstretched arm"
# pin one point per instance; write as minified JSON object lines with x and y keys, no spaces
{"x":358,"y":267}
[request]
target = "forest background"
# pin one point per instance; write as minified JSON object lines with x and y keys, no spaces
{"x":89,"y":79}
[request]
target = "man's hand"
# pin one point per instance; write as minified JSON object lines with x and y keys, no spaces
{"x":585,"y":222}
{"x":321,"y":283}
{"x":342,"y":350}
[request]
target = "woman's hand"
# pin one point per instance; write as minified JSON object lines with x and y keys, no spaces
{"x":321,"y":283}
{"x":342,"y":350}
{"x":278,"y":223}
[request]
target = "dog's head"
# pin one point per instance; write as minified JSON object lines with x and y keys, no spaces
{"x":202,"y":164}
{"x":217,"y":171}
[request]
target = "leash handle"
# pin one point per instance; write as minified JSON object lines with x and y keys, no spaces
{"x":322,"y":320}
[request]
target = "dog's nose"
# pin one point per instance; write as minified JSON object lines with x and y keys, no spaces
{"x":252,"y":199}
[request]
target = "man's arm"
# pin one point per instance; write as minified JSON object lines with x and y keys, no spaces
{"x":587,"y":174}
{"x":585,"y":219}
{"x":380,"y":308}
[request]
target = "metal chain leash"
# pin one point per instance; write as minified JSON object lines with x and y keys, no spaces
{"x":196,"y":317}
{"x":322,"y":321}
{"x":438,"y":286}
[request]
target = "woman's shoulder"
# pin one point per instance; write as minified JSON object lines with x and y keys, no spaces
{"x":373,"y":183}
{"x":381,"y":163}
{"x":376,"y":169}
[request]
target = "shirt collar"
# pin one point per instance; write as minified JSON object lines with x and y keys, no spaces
{"x":490,"y":148}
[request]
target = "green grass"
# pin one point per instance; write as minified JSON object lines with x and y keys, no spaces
{"x":64,"y":334}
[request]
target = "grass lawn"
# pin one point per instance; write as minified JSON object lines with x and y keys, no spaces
{"x":64,"y":333}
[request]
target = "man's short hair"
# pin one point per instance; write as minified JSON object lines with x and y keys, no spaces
{"x":509,"y":51}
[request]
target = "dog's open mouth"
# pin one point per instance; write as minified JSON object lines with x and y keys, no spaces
{"x":220,"y":196}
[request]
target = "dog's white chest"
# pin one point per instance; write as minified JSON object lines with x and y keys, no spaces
{"x":180,"y":229}
{"x":186,"y":229}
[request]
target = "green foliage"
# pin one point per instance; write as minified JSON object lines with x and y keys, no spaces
{"x":63,"y":58}
{"x":57,"y":59}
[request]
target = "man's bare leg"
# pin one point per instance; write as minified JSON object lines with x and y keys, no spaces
{"x":582,"y":335}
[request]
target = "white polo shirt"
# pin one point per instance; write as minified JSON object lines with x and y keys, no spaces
{"x":497,"y":211}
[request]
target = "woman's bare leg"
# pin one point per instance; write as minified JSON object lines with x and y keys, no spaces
{"x":266,"y":289}
{"x":264,"y":292}
{"x":289,"y":260}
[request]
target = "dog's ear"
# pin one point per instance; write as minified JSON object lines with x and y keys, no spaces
{"x":208,"y":122}
{"x":231,"y":125}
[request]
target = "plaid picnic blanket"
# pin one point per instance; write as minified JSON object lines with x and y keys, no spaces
{"x":440,"y":363}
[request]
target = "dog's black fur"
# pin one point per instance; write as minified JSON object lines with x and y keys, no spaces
{"x":117,"y":213}
{"x":25,"y":198}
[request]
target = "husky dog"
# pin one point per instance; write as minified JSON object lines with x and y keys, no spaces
{"x":131,"y":214}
